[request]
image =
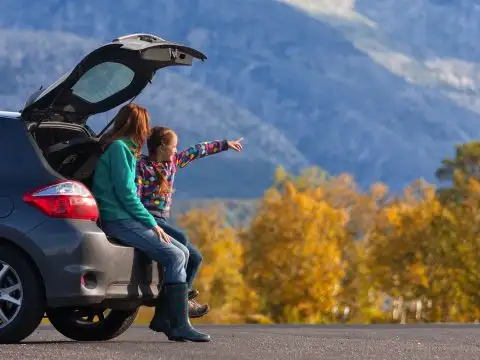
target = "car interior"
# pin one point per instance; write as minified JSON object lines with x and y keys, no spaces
{"x":70,"y":149}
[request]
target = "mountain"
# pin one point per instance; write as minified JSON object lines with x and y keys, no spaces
{"x":195,"y":112}
{"x":382,"y":89}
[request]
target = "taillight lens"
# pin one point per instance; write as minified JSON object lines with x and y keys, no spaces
{"x":64,"y":199}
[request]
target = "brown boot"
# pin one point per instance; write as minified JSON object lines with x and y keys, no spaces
{"x":195,"y":310}
{"x":192,"y":294}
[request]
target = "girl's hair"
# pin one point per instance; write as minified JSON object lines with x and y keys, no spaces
{"x":160,"y":136}
{"x":131,"y":121}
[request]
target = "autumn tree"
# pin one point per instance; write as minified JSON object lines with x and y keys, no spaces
{"x":356,"y":300}
{"x":462,"y":199}
{"x":466,"y":160}
{"x":464,"y":166}
{"x":293,"y":255}
{"x":425,"y":251}
{"x":220,"y":278}
{"x":399,"y":248}
{"x":318,"y":246}
{"x":461,"y":249}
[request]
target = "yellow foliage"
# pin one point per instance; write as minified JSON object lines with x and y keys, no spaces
{"x":319,"y":250}
{"x":293,"y":258}
{"x":422,"y":251}
{"x":220,"y":278}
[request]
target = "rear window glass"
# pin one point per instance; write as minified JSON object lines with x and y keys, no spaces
{"x":103,"y":81}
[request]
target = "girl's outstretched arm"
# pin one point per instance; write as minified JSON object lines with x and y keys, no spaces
{"x":199,"y":151}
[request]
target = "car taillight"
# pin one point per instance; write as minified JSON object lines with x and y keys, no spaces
{"x":64,"y":199}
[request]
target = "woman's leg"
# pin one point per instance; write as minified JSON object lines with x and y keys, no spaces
{"x":182,"y":248}
{"x":171,"y":310}
{"x":135,"y":234}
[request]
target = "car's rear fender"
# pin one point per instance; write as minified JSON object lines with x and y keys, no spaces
{"x":16,"y":239}
{"x":79,"y":248}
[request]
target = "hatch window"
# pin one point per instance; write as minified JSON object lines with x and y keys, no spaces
{"x":103,"y":81}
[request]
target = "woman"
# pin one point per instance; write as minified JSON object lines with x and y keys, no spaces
{"x":125,"y":218}
{"x":155,"y":180}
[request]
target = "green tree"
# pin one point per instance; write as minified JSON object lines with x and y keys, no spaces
{"x":464,"y":166}
{"x":466,"y":160}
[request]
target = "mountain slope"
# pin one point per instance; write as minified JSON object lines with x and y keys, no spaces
{"x":306,"y":82}
{"x":194,"y":112}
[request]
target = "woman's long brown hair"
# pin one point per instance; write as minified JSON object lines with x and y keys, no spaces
{"x":160,"y":136}
{"x":132,"y":121}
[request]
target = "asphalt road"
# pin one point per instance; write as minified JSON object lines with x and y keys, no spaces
{"x":265,"y":342}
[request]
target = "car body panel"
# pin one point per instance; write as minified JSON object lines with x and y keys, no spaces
{"x":10,"y":115}
{"x":6,"y":206}
{"x":75,"y":247}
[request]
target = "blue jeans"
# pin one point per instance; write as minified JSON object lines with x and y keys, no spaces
{"x":133,"y":233}
{"x":195,"y":257}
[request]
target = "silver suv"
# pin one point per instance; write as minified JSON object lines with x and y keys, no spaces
{"x":55,"y":260}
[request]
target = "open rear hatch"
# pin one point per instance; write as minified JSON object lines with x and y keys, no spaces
{"x":107,"y":77}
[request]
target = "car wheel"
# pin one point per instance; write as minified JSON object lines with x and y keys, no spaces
{"x":84,"y":324}
{"x":22,"y":296}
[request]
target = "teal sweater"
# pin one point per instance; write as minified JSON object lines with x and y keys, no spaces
{"x":114,"y":186}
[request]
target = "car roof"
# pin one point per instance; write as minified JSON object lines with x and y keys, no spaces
{"x":9,"y":114}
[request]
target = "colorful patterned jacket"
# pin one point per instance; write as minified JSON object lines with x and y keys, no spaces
{"x":147,"y":178}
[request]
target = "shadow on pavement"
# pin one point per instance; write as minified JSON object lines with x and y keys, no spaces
{"x":69,"y":342}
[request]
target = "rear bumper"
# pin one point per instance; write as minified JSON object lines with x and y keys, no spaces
{"x":84,"y":268}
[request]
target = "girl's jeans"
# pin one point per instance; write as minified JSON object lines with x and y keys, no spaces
{"x":173,"y":256}
{"x":193,"y":256}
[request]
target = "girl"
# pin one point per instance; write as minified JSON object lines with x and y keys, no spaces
{"x":155,"y":178}
{"x":124,"y":217}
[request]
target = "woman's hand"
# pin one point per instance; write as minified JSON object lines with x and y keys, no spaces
{"x":236,"y":144}
{"x":162,"y":235}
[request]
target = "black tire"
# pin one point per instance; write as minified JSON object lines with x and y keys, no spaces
{"x":69,"y":322}
{"x":32,"y":307}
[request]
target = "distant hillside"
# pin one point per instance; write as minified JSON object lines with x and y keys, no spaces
{"x":237,"y":213}
{"x":382,"y":89}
